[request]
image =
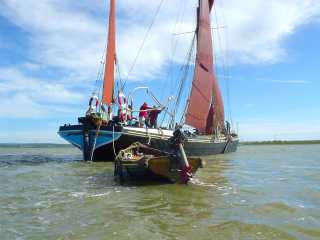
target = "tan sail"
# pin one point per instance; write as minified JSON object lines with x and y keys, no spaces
{"x":205,"y":110}
{"x":108,"y":83}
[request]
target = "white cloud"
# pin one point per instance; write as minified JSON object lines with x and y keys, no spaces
{"x":58,"y":36}
{"x":12,"y":81}
{"x":23,"y":106}
{"x":24,"y":96}
{"x":256,"y":29}
{"x":69,"y":36}
{"x":291,"y":81}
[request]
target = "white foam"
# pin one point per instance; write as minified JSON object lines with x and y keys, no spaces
{"x":200,"y":183}
{"x":78,"y":194}
{"x":100,"y":194}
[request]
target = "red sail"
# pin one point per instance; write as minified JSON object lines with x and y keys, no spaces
{"x":108,"y":83}
{"x":205,"y":110}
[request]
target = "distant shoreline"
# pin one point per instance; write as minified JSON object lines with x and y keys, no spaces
{"x":279,"y":142}
{"x":276,"y":142}
{"x":31,"y":145}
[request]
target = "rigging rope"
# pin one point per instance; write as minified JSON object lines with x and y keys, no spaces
{"x":119,"y":76}
{"x":143,"y":41}
{"x":95,"y":141}
{"x":224,"y":68}
{"x":179,"y":21}
{"x":113,"y":145}
{"x":174,"y":43}
{"x":185,"y":71}
{"x":97,"y":86}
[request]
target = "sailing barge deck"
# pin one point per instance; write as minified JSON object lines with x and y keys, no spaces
{"x":111,"y":139}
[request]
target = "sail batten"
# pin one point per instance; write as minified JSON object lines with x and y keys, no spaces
{"x":108,"y":82}
{"x":205,"y":110}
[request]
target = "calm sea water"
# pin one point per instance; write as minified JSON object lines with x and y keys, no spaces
{"x":260,"y":192}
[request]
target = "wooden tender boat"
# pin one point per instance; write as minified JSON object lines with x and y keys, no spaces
{"x":142,"y":162}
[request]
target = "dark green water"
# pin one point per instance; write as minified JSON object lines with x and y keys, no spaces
{"x":260,"y":192}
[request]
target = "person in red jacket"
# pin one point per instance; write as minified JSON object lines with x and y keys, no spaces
{"x":143,"y":115}
{"x":153,"y":117}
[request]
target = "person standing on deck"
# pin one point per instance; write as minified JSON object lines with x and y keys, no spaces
{"x":153,"y":117}
{"x":143,"y":115}
{"x":130,"y":117}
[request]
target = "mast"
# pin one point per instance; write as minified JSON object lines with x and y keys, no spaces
{"x":108,"y":82}
{"x":205,"y":110}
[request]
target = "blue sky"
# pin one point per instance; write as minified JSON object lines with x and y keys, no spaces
{"x":50,"y":52}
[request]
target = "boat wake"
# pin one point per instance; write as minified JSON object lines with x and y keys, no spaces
{"x":89,"y":195}
{"x":196,"y":181}
{"x":27,"y":159}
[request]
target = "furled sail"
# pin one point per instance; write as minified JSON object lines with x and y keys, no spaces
{"x":205,"y":109}
{"x":108,"y":83}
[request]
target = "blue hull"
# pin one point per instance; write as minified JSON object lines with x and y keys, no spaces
{"x":75,"y":137}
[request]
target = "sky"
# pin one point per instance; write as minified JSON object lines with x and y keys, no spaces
{"x":266,"y":59}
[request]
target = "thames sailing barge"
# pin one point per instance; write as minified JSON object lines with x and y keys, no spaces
{"x":101,"y":136}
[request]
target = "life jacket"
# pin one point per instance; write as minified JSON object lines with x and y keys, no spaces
{"x":94,"y":102}
{"x":122,"y":106}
